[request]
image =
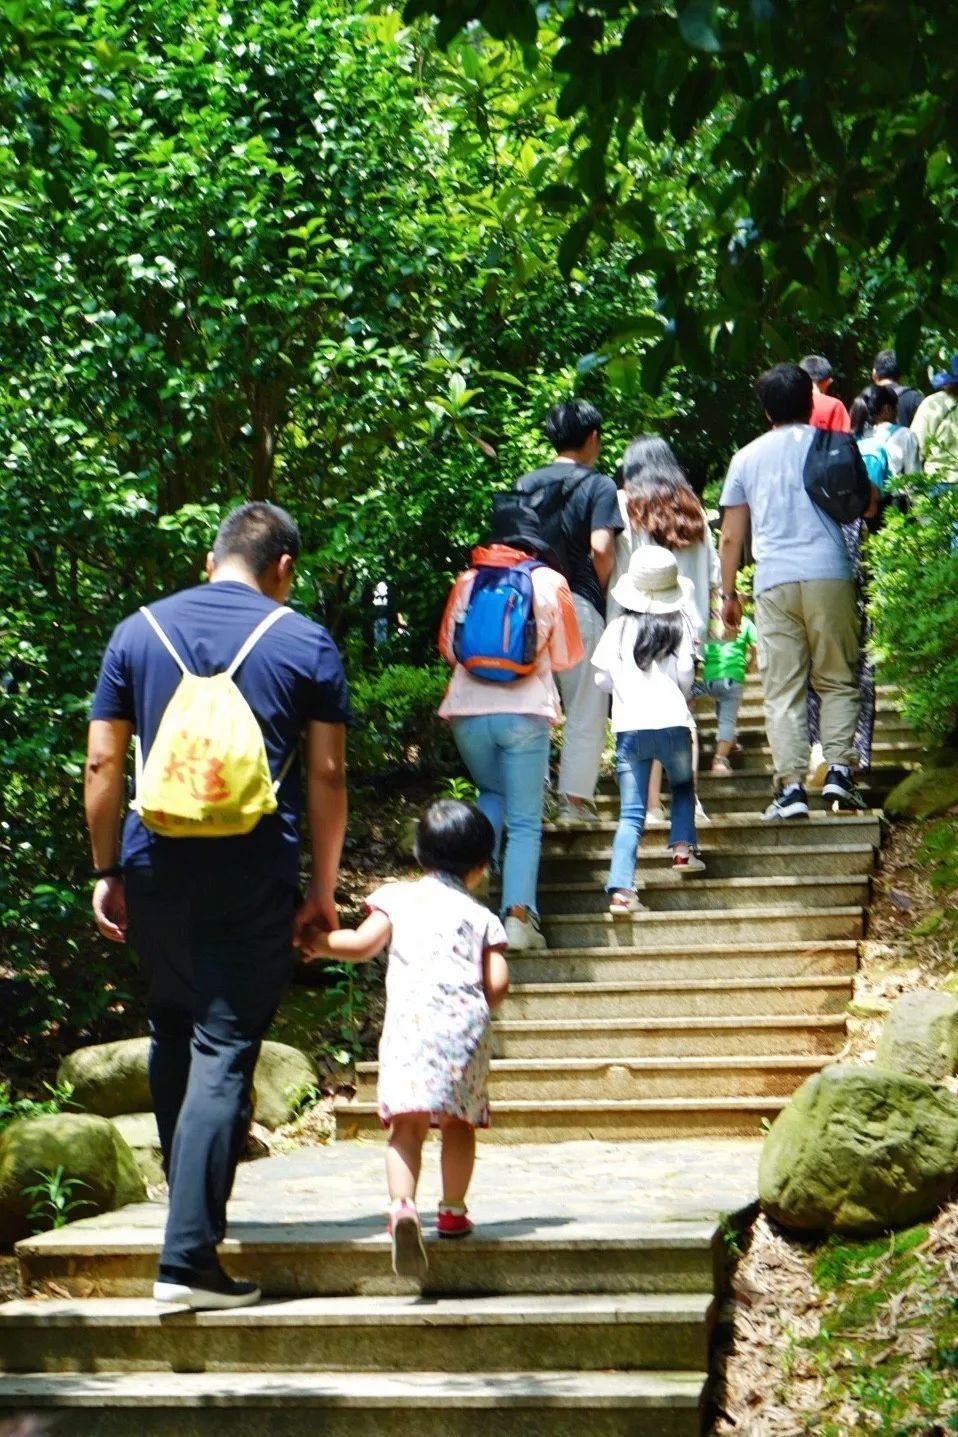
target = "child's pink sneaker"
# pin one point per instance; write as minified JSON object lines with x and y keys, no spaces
{"x":453,"y":1221}
{"x":409,"y":1255}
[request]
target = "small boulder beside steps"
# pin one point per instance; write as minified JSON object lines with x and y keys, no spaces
{"x":99,"y":1172}
{"x":859,"y":1151}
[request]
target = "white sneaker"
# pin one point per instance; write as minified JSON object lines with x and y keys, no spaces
{"x":225,"y":1294}
{"x":700,"y":815}
{"x":579,"y":812}
{"x":524,"y":933}
{"x":656,"y":818}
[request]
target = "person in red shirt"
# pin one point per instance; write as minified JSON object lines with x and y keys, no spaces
{"x":828,"y":412}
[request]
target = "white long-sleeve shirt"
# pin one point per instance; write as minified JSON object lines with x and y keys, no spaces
{"x":656,"y":697}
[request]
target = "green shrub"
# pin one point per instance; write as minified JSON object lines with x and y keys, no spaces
{"x":914,"y":607}
{"x":397,"y":724}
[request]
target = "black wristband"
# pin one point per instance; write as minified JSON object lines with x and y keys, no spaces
{"x":732,"y":595}
{"x":115,"y":870}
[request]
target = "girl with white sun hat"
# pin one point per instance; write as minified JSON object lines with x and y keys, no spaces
{"x":646,"y":660}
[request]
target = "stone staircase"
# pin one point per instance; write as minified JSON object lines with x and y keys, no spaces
{"x":583,"y":1305}
{"x":702,"y":1015}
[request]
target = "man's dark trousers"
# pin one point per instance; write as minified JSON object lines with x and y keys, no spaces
{"x":217,"y":951}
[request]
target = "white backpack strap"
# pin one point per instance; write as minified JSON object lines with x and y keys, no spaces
{"x":255,"y":636}
{"x":154,"y":625}
{"x":287,"y":765}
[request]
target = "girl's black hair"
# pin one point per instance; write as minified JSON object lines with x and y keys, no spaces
{"x":875,"y":399}
{"x":657,"y":637}
{"x":454,"y":837}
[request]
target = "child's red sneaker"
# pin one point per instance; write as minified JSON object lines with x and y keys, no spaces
{"x":453,"y":1222}
{"x":409,"y":1255}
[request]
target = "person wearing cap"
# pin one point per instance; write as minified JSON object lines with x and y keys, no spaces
{"x":646,"y":660}
{"x":828,"y":411}
{"x":502,"y":729}
{"x":936,"y":425}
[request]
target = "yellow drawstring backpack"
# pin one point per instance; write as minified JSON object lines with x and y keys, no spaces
{"x":207,"y":774}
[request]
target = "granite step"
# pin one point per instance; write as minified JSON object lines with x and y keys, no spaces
{"x":778,"y":924}
{"x":666,"y":892}
{"x":639,"y":1120}
{"x":703,"y":964}
{"x":117,"y":1258}
{"x":686,"y":998}
{"x":536,"y":1404}
{"x":755,"y":860}
{"x":604,"y":1078}
{"x":528,"y":1332}
{"x":737,"y":832}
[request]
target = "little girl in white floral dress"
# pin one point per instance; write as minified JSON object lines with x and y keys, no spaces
{"x":446,"y":973}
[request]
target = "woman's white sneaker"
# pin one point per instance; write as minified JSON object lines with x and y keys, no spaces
{"x":524,"y":933}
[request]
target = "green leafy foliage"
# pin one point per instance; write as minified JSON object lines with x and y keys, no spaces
{"x":397,"y":722}
{"x":809,"y":203}
{"x":54,"y":1204}
{"x":59,"y":1097}
{"x":914,"y":606}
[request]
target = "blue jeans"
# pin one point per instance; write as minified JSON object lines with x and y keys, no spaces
{"x":727,"y":694}
{"x":634,"y":754}
{"x":507,"y":756}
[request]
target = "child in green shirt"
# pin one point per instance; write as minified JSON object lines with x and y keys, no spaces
{"x":723,"y":678}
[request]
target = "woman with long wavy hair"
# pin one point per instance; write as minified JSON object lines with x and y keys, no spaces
{"x":659,"y":506}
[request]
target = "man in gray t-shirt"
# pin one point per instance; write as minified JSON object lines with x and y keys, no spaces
{"x":805,"y":607}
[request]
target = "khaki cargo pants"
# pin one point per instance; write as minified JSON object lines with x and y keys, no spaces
{"x":808,"y":629}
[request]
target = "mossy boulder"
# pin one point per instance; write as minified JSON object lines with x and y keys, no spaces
{"x":930,"y":790}
{"x":110,"y":1079}
{"x":858,"y":1151}
{"x":920,"y":1036}
{"x":90,"y":1151}
{"x":284,"y":1077}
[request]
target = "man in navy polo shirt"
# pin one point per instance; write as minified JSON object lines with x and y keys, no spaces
{"x":214,"y":920}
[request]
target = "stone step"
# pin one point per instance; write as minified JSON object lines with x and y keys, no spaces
{"x":118,"y":1257}
{"x":751,"y":715}
{"x":668,"y":892}
{"x":530,"y":1332}
{"x":517,"y":1404}
{"x":609,"y":1039}
{"x":735,"y":796}
{"x":601,"y":1079}
{"x":779,"y":924}
{"x":755,"y":782}
{"x":688,"y":998}
{"x":756,"y":860}
{"x":735,"y":831}
{"x":641,"y":1120}
{"x":702,"y":964}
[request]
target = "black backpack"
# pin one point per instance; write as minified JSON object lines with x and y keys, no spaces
{"x":547,"y":491}
{"x":835,"y":476}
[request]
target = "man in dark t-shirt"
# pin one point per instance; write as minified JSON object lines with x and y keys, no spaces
{"x":214,"y":920}
{"x":886,"y":370}
{"x":590,"y":522}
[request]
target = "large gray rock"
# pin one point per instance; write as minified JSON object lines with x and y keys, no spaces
{"x":284,"y":1077}
{"x":929,"y":790}
{"x":90,"y":1151}
{"x":920,"y":1036}
{"x":860,"y":1150}
{"x":111,"y":1079}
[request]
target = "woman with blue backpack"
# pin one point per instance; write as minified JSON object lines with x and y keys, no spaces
{"x":509,"y":626}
